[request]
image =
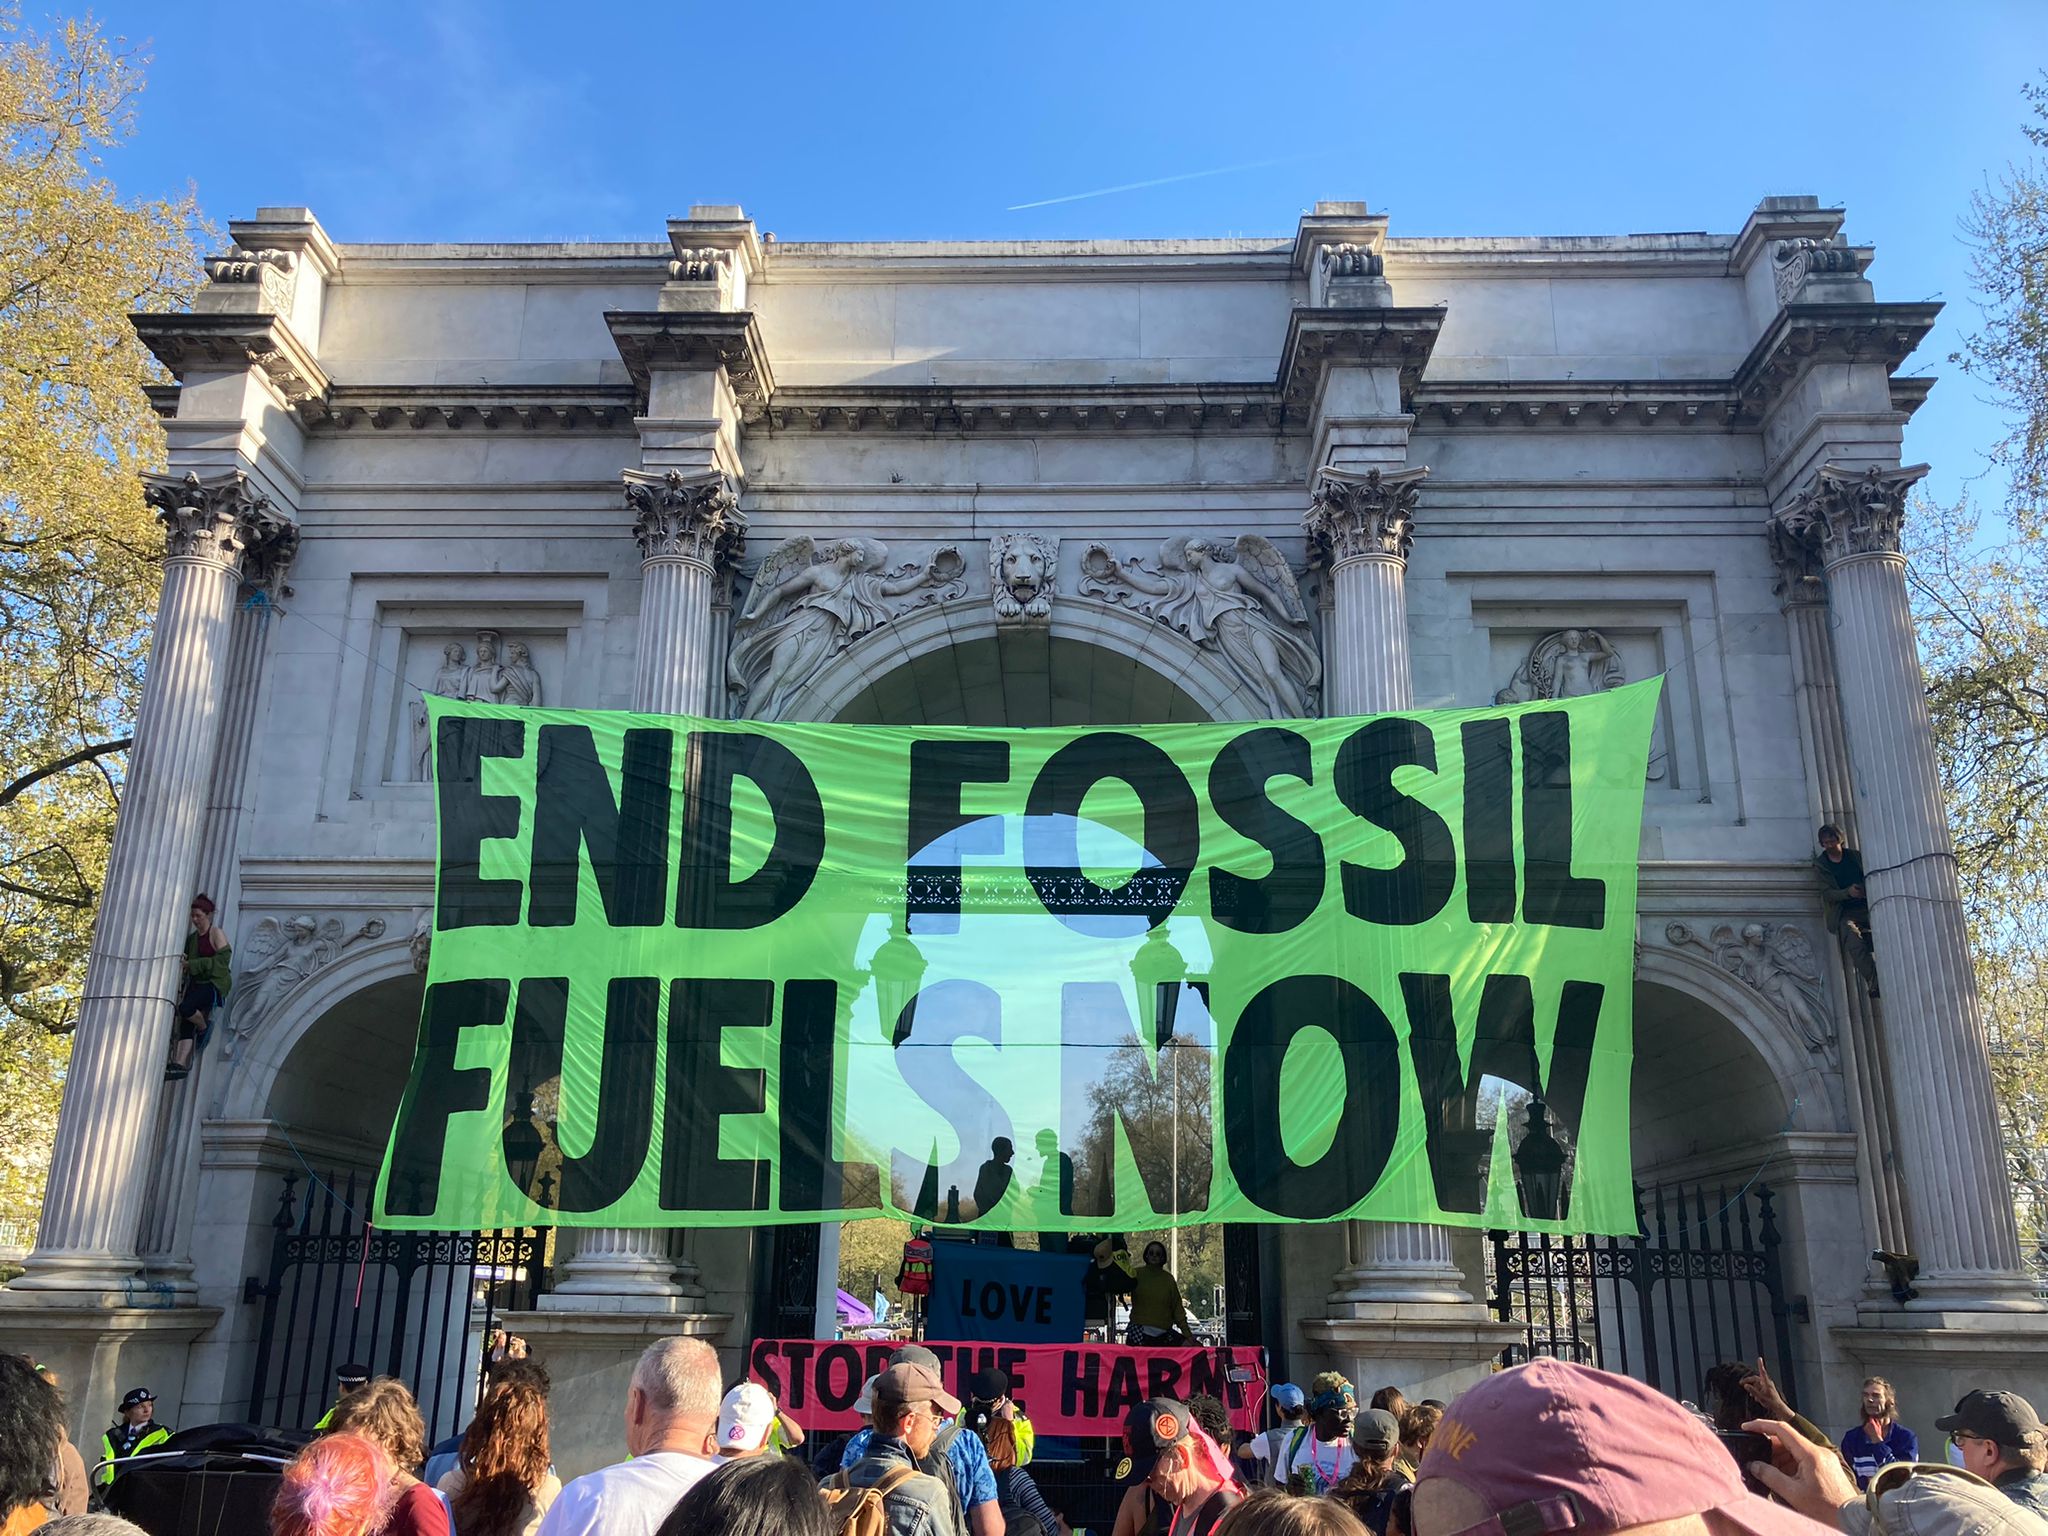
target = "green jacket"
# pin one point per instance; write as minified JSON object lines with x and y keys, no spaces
{"x":118,"y":1444}
{"x":216,"y":969}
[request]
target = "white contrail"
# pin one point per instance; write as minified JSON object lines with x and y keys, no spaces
{"x":1157,"y":181}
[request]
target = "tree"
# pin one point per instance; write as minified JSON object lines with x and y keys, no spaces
{"x":1984,"y":645}
{"x":78,"y":568}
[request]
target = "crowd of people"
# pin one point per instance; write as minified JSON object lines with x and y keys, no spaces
{"x":1537,"y":1450}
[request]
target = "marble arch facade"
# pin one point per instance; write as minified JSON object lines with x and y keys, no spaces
{"x":1444,"y":470}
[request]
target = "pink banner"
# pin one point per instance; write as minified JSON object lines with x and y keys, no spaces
{"x":1067,"y":1389}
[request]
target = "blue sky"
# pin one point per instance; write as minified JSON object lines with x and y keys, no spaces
{"x":460,"y":120}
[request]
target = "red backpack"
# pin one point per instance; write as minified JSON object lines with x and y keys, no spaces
{"x":915,"y":1277}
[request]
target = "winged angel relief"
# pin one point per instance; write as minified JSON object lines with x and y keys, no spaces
{"x":283,"y":954}
{"x":809,"y":603}
{"x":1777,"y":960}
{"x":1242,"y":603}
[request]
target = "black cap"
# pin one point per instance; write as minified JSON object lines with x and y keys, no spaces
{"x":2005,"y":1418}
{"x":136,"y":1397}
{"x":1158,"y":1424}
{"x":988,"y":1384}
{"x":352,"y":1374}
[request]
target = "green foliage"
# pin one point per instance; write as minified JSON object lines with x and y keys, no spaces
{"x":78,"y":568}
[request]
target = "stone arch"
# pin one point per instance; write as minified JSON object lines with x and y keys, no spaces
{"x":1205,"y":679}
{"x":1712,"y":1069}
{"x":267,"y":1055}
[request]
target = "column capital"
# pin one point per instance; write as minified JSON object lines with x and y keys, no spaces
{"x":223,"y":519}
{"x":1354,"y":516}
{"x":678,"y":516}
{"x":1840,"y":514}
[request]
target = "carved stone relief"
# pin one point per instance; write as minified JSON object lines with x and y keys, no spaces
{"x":1021,"y":573}
{"x":809,"y":602}
{"x":1240,"y":602}
{"x":1797,"y":260}
{"x":281,"y":954}
{"x":1839,"y":514}
{"x":1777,"y":962}
{"x":422,"y":942}
{"x":1576,"y":664}
{"x":500,"y":671}
{"x":1349,"y":260}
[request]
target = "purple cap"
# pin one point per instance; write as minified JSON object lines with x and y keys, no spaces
{"x":1556,"y":1447}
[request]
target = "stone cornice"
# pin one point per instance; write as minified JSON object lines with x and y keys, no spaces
{"x":187,"y":343}
{"x":696,"y":339}
{"x":1477,"y":405}
{"x":1395,"y":337}
{"x":1910,"y":392}
{"x":1029,"y":408}
{"x":1803,"y":335}
{"x":448,"y":408}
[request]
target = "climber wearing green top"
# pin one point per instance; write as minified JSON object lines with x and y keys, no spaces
{"x":208,"y":975}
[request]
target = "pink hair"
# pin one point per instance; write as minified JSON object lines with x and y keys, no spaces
{"x":337,"y":1486}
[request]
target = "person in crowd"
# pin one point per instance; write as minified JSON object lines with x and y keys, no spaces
{"x":1272,"y":1512}
{"x":829,"y":1456}
{"x":1263,"y":1449}
{"x":671,"y":1411}
{"x":91,"y":1525}
{"x":1401,"y":1512}
{"x":988,"y":1399}
{"x":2002,"y":1440}
{"x":339,"y":1485}
{"x":754,"y":1496}
{"x":1418,"y":1423}
{"x":1024,"y":1510}
{"x":746,"y":1418}
{"x":1369,"y":1488}
{"x":384,"y":1411}
{"x":1214,"y":1419}
{"x":446,"y":1455}
{"x":1190,"y":1472}
{"x":1107,"y":1279}
{"x":1551,"y":1445}
{"x":1879,"y":1440}
{"x":1140,"y":1511}
{"x":31,"y":1427}
{"x":1159,"y":1317}
{"x":1737,"y":1392}
{"x":348,"y":1377}
{"x":1846,"y":904}
{"x":910,"y":1405}
{"x":956,"y":1457}
{"x":73,"y":1491}
{"x":991,"y":1183}
{"x":135,"y":1432}
{"x":209,"y":972}
{"x":502,"y":1485}
{"x":1316,"y":1458}
{"x":1903,"y":1497}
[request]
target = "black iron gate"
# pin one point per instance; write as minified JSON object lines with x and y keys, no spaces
{"x":1699,"y":1283}
{"x":415,"y":1305}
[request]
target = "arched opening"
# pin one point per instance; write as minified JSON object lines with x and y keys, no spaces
{"x":343,"y":1076}
{"x":1087,"y":668}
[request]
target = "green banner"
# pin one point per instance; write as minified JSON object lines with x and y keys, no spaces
{"x":719,"y":973}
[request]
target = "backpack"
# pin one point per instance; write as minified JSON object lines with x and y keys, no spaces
{"x":859,"y":1511}
{"x":937,"y":1463}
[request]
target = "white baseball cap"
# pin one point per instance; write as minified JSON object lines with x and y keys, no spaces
{"x":864,"y":1405}
{"x":744,"y":1419}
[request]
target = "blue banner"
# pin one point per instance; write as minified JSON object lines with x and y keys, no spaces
{"x":983,"y":1292}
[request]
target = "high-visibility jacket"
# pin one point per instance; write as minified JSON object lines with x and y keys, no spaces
{"x":125,"y":1440}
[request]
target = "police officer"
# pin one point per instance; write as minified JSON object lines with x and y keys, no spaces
{"x":135,"y":1433}
{"x":347,"y":1378}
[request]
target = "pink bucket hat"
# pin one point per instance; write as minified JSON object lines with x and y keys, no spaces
{"x":1553,"y":1447}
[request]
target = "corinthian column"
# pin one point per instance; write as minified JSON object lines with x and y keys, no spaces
{"x":1803,"y":597}
{"x":1948,"y":1138}
{"x":1363,"y":525}
{"x":687,"y":526}
{"x":272,"y":543}
{"x":98,"y":1173}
